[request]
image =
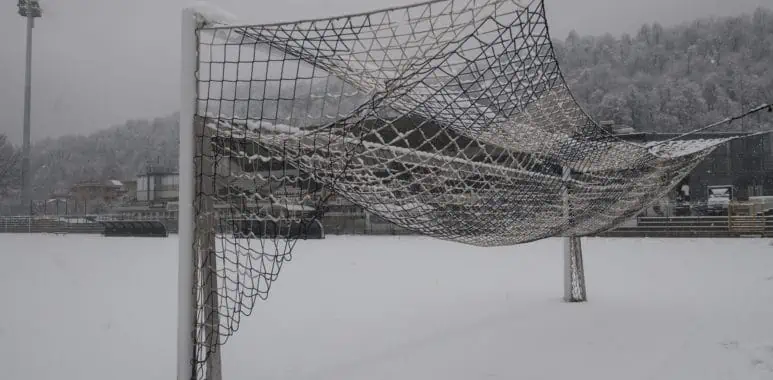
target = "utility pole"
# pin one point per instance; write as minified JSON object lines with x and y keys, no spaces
{"x":30,"y":9}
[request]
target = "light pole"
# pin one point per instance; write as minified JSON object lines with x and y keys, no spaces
{"x":29,"y":9}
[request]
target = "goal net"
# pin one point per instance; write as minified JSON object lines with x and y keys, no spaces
{"x":448,"y":118}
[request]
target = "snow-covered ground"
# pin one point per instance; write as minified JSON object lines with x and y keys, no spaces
{"x":93,"y":308}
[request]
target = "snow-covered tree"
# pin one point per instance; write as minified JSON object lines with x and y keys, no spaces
{"x":674,"y":79}
{"x":10,"y":159}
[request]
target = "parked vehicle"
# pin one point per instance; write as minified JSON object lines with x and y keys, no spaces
{"x":719,"y":198}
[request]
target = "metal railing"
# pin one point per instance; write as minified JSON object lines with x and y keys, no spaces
{"x":697,"y":226}
{"x":644,"y":226}
{"x":68,"y":224}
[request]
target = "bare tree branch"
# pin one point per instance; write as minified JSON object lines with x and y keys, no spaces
{"x":10,"y":159}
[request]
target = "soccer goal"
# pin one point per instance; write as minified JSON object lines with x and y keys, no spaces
{"x":448,"y":118}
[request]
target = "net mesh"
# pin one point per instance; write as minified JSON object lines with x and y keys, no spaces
{"x":448,"y":118}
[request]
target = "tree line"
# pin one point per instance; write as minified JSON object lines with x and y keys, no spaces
{"x":660,"y":79}
{"x":678,"y":78}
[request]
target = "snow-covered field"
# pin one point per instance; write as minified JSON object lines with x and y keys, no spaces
{"x":93,"y":308}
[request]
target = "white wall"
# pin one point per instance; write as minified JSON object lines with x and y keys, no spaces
{"x":147,"y":191}
{"x":143,"y":188}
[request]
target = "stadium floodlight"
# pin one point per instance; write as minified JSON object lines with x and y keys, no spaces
{"x":449,"y":118}
{"x":30,"y":9}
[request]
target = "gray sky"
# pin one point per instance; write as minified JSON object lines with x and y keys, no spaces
{"x":97,"y":63}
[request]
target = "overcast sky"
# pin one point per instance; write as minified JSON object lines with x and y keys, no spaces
{"x":97,"y":63}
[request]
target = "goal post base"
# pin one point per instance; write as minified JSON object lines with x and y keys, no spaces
{"x":574,"y":272}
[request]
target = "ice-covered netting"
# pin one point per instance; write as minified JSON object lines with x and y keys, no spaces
{"x":448,"y":118}
{"x":458,"y":195}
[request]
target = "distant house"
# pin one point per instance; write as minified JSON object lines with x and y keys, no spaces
{"x":154,"y":194}
{"x":157,"y":184}
{"x":109,"y":190}
{"x":131,"y":188}
{"x":60,"y":192}
{"x":94,"y":196}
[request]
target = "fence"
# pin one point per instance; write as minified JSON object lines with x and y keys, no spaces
{"x":339,"y":224}
{"x":697,"y":226}
{"x":647,"y":226}
{"x":84,"y":224}
{"x":26,"y":224}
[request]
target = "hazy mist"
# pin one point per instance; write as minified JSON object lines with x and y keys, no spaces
{"x":97,"y":63}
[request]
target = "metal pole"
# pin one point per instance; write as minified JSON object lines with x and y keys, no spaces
{"x":567,"y":240}
{"x":186,"y":282}
{"x":574,"y":272}
{"x":26,"y":176}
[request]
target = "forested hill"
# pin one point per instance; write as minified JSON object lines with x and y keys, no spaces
{"x":119,"y":152}
{"x":661,"y":79}
{"x":677,"y":78}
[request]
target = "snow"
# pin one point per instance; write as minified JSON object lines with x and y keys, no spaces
{"x":210,"y":15}
{"x":679,"y":148}
{"x":88,"y":307}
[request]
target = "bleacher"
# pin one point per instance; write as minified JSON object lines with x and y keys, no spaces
{"x":54,"y":225}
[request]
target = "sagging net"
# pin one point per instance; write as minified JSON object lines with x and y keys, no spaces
{"x":448,"y":118}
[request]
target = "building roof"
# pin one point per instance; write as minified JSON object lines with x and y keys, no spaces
{"x":113,"y":183}
{"x":158,"y":170}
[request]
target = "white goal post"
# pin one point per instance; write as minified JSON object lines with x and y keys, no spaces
{"x":186,"y":315}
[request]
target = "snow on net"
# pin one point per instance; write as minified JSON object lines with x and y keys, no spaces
{"x":448,"y":118}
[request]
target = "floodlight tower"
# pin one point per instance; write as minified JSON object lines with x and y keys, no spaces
{"x":29,"y":9}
